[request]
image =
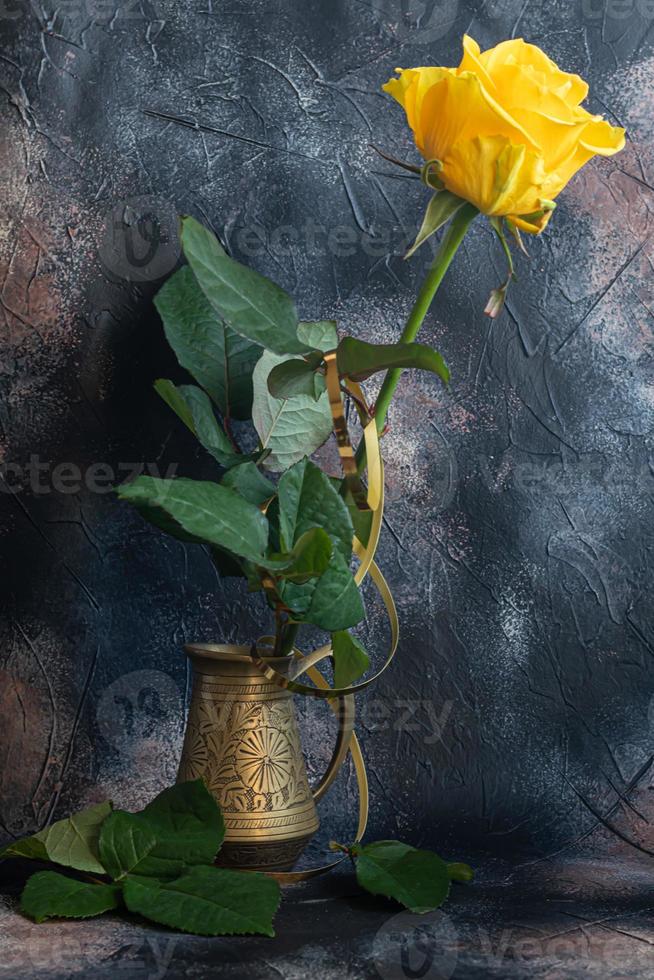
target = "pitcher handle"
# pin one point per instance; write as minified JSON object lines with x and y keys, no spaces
{"x":343,"y":708}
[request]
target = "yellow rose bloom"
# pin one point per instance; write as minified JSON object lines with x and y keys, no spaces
{"x":507,"y":126}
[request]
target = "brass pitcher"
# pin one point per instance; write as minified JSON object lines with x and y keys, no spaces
{"x":242,"y":740}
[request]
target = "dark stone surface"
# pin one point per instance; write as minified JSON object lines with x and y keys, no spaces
{"x":520,"y":502}
{"x":563,"y":920}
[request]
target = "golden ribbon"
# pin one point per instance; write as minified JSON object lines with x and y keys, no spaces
{"x":371,"y":499}
{"x":345,"y":450}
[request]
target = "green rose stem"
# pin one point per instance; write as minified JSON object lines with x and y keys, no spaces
{"x":452,"y":239}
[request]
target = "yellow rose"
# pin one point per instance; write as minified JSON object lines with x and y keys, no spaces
{"x":507,"y":126}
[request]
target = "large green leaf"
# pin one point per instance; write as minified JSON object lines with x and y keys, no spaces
{"x":187,"y":822}
{"x":219,"y":359}
{"x":207,"y":511}
{"x":350,"y":659}
{"x":72,"y":842}
{"x":50,"y":895}
{"x":208,"y":901}
{"x":183,"y":826}
{"x":248,"y":481}
{"x":336,"y":602}
{"x":333,"y":602}
{"x":290,"y":428}
{"x":125,"y":842}
{"x":359,"y":360}
{"x":255,"y":307}
{"x":440,"y":209}
{"x":419,"y":880}
{"x":194,"y":408}
{"x":160,"y":519}
{"x":308,"y":559}
{"x":308,"y":498}
{"x":226,"y":565}
{"x":319,"y":335}
{"x":210,"y":434}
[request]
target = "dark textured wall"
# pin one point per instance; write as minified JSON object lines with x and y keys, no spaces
{"x":520,"y":502}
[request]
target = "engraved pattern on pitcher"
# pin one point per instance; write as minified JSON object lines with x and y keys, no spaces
{"x":248,"y":754}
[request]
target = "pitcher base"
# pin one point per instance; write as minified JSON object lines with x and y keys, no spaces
{"x":277,"y":856}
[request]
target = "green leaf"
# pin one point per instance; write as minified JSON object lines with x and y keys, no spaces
{"x":208,"y":901}
{"x":307,"y":498}
{"x":207,"y":511}
{"x":460,"y":872}
{"x":440,"y":209}
{"x":161,"y":520}
{"x":28,"y":847}
{"x":296,"y":377}
{"x":187,"y":823}
{"x":248,"y":481}
{"x":193,"y":406}
{"x":336,"y":602}
{"x":182,"y":826}
{"x":125,"y":842}
{"x":350,"y":659}
{"x":210,"y":434}
{"x":319,"y":335}
{"x":359,"y":360}
{"x":417,"y":879}
{"x":307,"y":560}
{"x":174,"y":398}
{"x":72,"y":843}
{"x":253,"y":306}
{"x":50,"y":895}
{"x":290,"y":428}
{"x":218,"y":358}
